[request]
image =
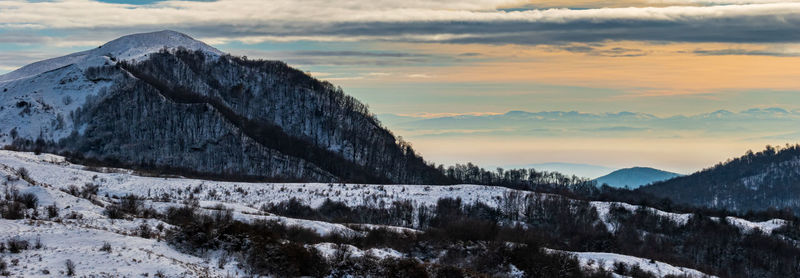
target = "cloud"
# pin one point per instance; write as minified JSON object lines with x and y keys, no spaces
{"x":354,"y":53}
{"x":739,"y":51}
{"x":579,"y":124}
{"x":476,"y":21}
{"x":600,"y":50}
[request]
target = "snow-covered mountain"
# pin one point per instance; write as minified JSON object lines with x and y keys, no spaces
{"x":130,"y":48}
{"x":164,"y":100}
{"x":37,"y":99}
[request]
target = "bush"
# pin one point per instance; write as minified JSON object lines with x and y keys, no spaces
{"x":4,"y":268}
{"x":16,"y":245}
{"x":73,"y":190}
{"x":23,"y":173}
{"x":144,"y":230}
{"x":38,"y":243}
{"x":287,"y":260}
{"x":52,"y":211}
{"x":70,"y":267}
{"x":13,"y":210}
{"x":29,"y":200}
{"x":114,"y":212}
{"x":89,"y":190}
{"x":130,"y":204}
{"x":106,"y":247}
{"x":403,"y":268}
{"x":620,"y":268}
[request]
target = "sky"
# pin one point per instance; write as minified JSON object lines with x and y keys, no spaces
{"x":709,"y":79}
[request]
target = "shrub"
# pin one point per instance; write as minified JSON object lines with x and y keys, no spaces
{"x":620,"y":268}
{"x":73,"y":190}
{"x":130,"y":204}
{"x":286,"y":260}
{"x":144,"y":230}
{"x":29,"y":200}
{"x":13,"y":210}
{"x":223,"y":260}
{"x":70,"y":267}
{"x":16,"y":245}
{"x":114,"y":212}
{"x":106,"y":247}
{"x":4,"y":268}
{"x":23,"y":173}
{"x":403,"y":268}
{"x":52,"y":211}
{"x":38,"y":243}
{"x":89,"y":190}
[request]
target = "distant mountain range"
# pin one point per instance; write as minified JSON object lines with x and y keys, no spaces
{"x":776,"y":121}
{"x":635,"y":177}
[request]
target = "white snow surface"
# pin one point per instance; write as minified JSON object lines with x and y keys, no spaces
{"x":606,"y":261}
{"x":133,"y":255}
{"x":129,"y":48}
{"x":765,"y":226}
{"x":330,"y":251}
{"x":744,"y":225}
{"x":130,"y":256}
{"x":37,"y":99}
{"x":247,"y":198}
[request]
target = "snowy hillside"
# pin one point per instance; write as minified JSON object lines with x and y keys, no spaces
{"x":129,"y":48}
{"x":752,"y":182}
{"x":38,"y":100}
{"x":83,"y":225}
{"x":192,"y":109}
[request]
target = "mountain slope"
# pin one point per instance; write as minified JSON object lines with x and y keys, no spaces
{"x":389,"y":221}
{"x":755,"y":181}
{"x":163,"y":100}
{"x":635,"y":177}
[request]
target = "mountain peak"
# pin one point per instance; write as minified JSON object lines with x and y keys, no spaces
{"x":135,"y":45}
{"x":635,"y":177}
{"x":130,"y":48}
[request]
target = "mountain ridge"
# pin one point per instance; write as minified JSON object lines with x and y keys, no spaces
{"x":151,"y":102}
{"x":129,"y":47}
{"x":634,"y":177}
{"x":755,"y":181}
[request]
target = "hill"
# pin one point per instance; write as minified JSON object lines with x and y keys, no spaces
{"x":754,"y":181}
{"x":635,"y":177}
{"x":111,"y":222}
{"x":165,"y":101}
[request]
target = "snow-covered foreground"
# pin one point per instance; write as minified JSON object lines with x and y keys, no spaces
{"x":250,"y":197}
{"x":606,"y":261}
{"x":129,"y":255}
{"x":83,"y":228}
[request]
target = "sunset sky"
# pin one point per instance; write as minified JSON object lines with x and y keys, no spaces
{"x":445,"y":74}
